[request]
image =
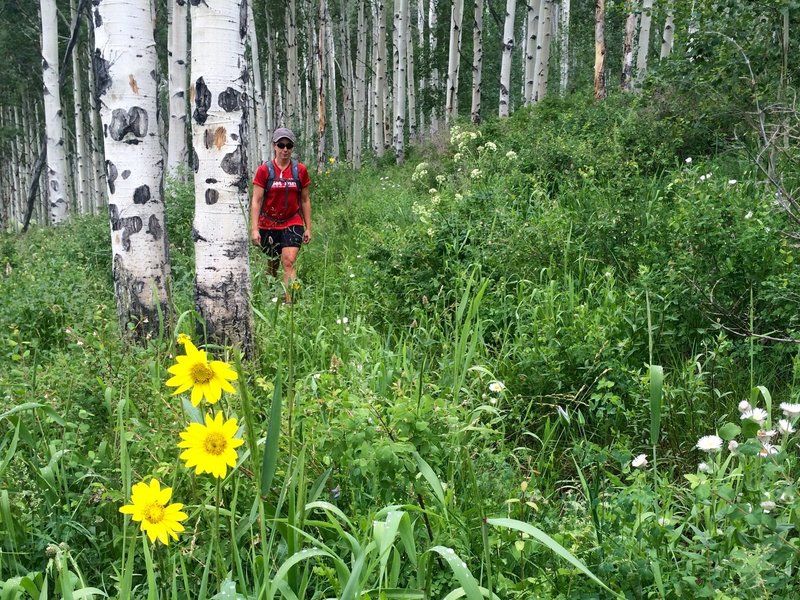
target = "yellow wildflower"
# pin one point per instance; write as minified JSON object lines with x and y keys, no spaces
{"x":149,"y":505}
{"x":205,"y":378}
{"x":210,"y":448}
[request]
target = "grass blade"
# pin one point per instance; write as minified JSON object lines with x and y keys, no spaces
{"x":270,"y":462}
{"x":461,"y":571}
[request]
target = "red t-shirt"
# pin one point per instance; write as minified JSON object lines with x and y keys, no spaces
{"x":281,"y":202}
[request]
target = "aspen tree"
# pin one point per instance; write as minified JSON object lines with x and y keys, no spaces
{"x":543,"y":40}
{"x":531,"y":31}
{"x":125,"y":60}
{"x":360,"y":95}
{"x":379,"y":143}
{"x":564,"y":70}
{"x":477,"y":60}
{"x":400,"y":78}
{"x":453,"y":60}
{"x":434,"y":80}
{"x":644,"y":40}
{"x":626,"y":77}
{"x":54,"y":121}
{"x":599,"y":49}
{"x":220,"y":230}
{"x":410,"y":78}
{"x":668,"y":35}
{"x":505,"y":65}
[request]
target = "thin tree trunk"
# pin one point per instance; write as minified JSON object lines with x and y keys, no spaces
{"x":292,"y":64}
{"x":221,"y":180}
{"x":81,"y":185}
{"x":626,"y":78}
{"x":599,"y":49}
{"x":260,"y":128}
{"x":477,"y":60}
{"x":360,"y":88}
{"x":454,"y":59}
{"x":505,"y":65}
{"x":410,"y":78}
{"x":56,"y":150}
{"x":543,"y":39}
{"x":432,"y":44}
{"x":564,"y":79}
{"x":125,"y":59}
{"x":321,"y":66}
{"x":644,"y":41}
{"x":330,"y":57}
{"x":531,"y":31}
{"x":401,"y":21}
{"x":668,"y":36}
{"x":380,"y":77}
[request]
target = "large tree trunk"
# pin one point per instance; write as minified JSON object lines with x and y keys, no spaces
{"x":292,"y":67}
{"x":54,"y":120}
{"x":221,"y":180}
{"x":434,"y":80}
{"x":626,"y":78}
{"x":599,"y":49}
{"x":644,"y":41}
{"x":477,"y":60}
{"x":454,"y":59}
{"x":543,"y":39}
{"x":260,"y":125}
{"x":360,"y":95}
{"x":125,"y":59}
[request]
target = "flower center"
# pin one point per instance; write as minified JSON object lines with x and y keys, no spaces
{"x":215,"y":443}
{"x":201,"y":373}
{"x":154,"y":513}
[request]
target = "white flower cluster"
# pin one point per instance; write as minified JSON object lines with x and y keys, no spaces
{"x":420,"y":172}
{"x":476,"y":174}
{"x":441,"y":179}
{"x":511,"y":155}
{"x":488,"y":146}
{"x":422,"y":212}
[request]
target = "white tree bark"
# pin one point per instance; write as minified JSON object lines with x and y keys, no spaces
{"x":221,"y":179}
{"x":410,"y":77}
{"x":644,"y":41}
{"x":177,"y":150}
{"x":321,"y":65}
{"x":400,"y":20}
{"x":599,"y":49}
{"x":626,"y":78}
{"x":345,"y":118}
{"x":56,"y":152}
{"x":668,"y":36}
{"x":333,"y":108}
{"x":434,"y":83}
{"x":292,"y":67}
{"x":84,"y":200}
{"x":125,"y":60}
{"x":477,"y":60}
{"x":531,"y":31}
{"x":454,"y":59}
{"x":505,"y":65}
{"x":260,"y":126}
{"x":360,"y":96}
{"x":543,"y":40}
{"x":380,"y":80}
{"x":564,"y":71}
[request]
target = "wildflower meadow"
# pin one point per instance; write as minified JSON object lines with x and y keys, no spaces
{"x":553,"y":356}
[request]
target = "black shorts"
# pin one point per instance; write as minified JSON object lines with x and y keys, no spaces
{"x":275,"y":240}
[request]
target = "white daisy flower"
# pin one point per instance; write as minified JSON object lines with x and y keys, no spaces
{"x":749,"y":215}
{"x":744,"y":406}
{"x":709,"y":443}
{"x":640,"y":462}
{"x":733,"y":445}
{"x":767,"y":449}
{"x":688,"y":160}
{"x":765,"y":436}
{"x":768,"y":505}
{"x":785,"y":426}
{"x":790,"y":410}
{"x":759,"y":415}
{"x":704,"y":467}
{"x":496,"y":387}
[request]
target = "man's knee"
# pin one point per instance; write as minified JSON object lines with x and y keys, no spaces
{"x":288,"y":260}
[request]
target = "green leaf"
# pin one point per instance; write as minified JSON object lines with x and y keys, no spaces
{"x":729,"y":431}
{"x":270,"y":462}
{"x":550,"y":543}
{"x":432,"y":479}
{"x":461,"y":571}
{"x":656,"y":395}
{"x":460,"y":593}
{"x":192,"y":411}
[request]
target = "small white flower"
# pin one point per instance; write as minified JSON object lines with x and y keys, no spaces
{"x":457,"y":156}
{"x":430,"y":231}
{"x":338,"y":321}
{"x":352,"y":275}
{"x":459,"y":197}
{"x":767,"y":450}
{"x":496,"y":387}
{"x":709,"y":443}
{"x":733,"y":445}
{"x":432,"y":191}
{"x":493,"y":400}
{"x":759,"y":415}
{"x":640,"y":462}
{"x":702,"y":178}
{"x":708,"y":175}
{"x":765,"y":436}
{"x":345,"y":320}
{"x":440,"y":179}
{"x":275,"y":299}
{"x":768,"y":505}
{"x":790,"y":410}
{"x":475,"y":174}
{"x":749,"y":215}
{"x":732,"y":182}
{"x":511,"y":155}
{"x":744,"y":406}
{"x":785,"y":426}
{"x":688,"y":160}
{"x":704,"y":467}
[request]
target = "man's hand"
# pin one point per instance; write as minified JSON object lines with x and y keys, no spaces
{"x":255,"y":237}
{"x":306,"y":236}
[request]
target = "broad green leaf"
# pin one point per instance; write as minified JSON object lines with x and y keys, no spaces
{"x":432,"y":479}
{"x":656,"y":395}
{"x":729,"y":431}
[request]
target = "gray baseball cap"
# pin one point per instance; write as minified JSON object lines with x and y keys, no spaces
{"x":283,"y":132}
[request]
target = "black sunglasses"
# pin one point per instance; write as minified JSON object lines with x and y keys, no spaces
{"x":283,"y":145}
